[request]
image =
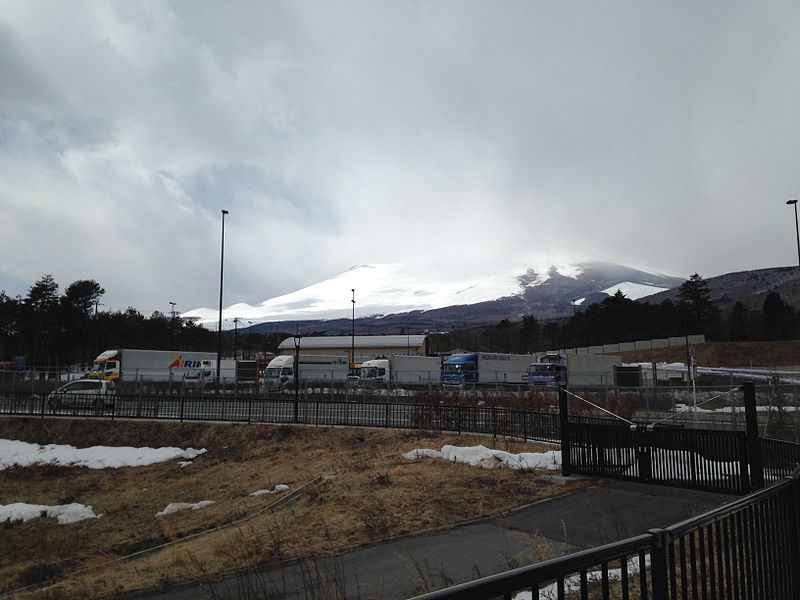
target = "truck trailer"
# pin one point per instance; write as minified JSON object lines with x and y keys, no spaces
{"x":400,"y":369}
{"x":485,"y":368}
{"x":279,"y":373}
{"x":149,"y":365}
{"x":570,"y":369}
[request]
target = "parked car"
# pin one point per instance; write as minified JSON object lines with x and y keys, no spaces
{"x":83,"y":393}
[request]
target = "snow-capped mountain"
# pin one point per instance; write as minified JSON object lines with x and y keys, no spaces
{"x":430,"y":292}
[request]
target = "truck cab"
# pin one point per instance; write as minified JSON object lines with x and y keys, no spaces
{"x":374,"y":371}
{"x":279,"y":373}
{"x":106,"y":366}
{"x":458,"y":369}
{"x":547,"y":374}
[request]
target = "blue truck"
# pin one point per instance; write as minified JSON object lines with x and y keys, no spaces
{"x":484,"y":368}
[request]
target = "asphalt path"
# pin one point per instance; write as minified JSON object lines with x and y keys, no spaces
{"x":604,"y":512}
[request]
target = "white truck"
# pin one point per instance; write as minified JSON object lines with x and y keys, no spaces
{"x":570,"y":369}
{"x":279,"y":373}
{"x":484,"y":368}
{"x":149,"y":365}
{"x":401,"y":369}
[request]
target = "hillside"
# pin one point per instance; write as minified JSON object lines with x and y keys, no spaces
{"x":726,"y":354}
{"x":749,"y":287}
{"x":360,"y":490}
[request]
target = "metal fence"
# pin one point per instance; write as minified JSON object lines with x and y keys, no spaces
{"x":746,"y":549}
{"x":526,"y":425}
{"x":690,"y":458}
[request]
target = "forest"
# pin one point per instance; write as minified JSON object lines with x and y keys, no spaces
{"x":53,"y":328}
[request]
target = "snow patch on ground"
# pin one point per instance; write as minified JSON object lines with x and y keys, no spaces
{"x":174,"y":507}
{"x":481,"y":456}
{"x":277,"y":489}
{"x":63,"y":513}
{"x":23,"y":454}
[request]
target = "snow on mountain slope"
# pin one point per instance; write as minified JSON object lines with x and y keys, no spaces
{"x":634,"y":291}
{"x":428,"y":284}
{"x":386,"y":289}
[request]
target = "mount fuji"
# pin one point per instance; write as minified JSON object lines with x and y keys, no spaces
{"x":393,"y":295}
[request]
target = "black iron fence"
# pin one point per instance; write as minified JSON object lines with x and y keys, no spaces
{"x":690,"y":458}
{"x":749,"y":548}
{"x":746,"y":549}
{"x":526,"y":425}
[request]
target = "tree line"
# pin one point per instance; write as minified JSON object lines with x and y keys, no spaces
{"x":52,"y":328}
{"x":620,"y":319}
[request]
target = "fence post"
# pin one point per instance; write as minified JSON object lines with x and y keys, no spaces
{"x":563,"y":411}
{"x":753,"y":442}
{"x":658,"y":564}
{"x":794,"y":535}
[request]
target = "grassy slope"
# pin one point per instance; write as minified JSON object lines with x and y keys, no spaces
{"x":726,"y":354}
{"x":371,"y":494}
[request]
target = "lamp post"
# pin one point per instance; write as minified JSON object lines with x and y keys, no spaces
{"x":297,"y":338}
{"x":249,"y":334}
{"x":796,"y":230}
{"x":221,"y":268}
{"x":353,"y":333}
{"x":172,"y":322}
{"x":235,"y":334}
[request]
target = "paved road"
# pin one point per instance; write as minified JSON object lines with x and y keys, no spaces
{"x":604,"y":512}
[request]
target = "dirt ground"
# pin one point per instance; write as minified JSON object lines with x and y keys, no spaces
{"x":359,"y":491}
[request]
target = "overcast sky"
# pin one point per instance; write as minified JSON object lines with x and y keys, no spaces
{"x":654,"y":134}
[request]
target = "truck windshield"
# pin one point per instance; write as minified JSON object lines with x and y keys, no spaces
{"x":458,"y":368}
{"x":368,"y":373}
{"x":272,"y":372}
{"x":545,"y":370}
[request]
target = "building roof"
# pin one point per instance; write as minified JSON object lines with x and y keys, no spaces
{"x":360,"y":341}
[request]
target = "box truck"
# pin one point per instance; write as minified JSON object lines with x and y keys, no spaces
{"x":485,"y":368}
{"x":400,"y":369}
{"x":149,"y":365}
{"x":570,"y":369}
{"x":279,"y":373}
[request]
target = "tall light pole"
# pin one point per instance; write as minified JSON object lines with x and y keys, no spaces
{"x":353,"y":333}
{"x":796,"y":230}
{"x":235,"y":332}
{"x":297,"y":338}
{"x":221,"y":269}
{"x":172,"y":322}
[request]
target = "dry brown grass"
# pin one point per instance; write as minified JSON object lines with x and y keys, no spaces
{"x":371,"y":494}
{"x":725,"y":354}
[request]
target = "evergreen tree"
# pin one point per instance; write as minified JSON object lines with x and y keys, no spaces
{"x":701,"y":315}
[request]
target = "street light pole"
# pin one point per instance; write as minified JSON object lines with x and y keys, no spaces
{"x":235,"y":332}
{"x":297,"y":338}
{"x":353,"y":334}
{"x":172,"y":322}
{"x":221,"y":268}
{"x":796,"y":229}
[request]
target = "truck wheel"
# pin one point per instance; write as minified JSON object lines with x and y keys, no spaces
{"x":54,"y":403}
{"x":98,"y":405}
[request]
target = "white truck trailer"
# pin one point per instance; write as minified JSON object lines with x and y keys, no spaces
{"x":485,"y":368}
{"x":400,"y":369}
{"x":279,"y":373}
{"x":571,"y":369}
{"x":149,"y":365}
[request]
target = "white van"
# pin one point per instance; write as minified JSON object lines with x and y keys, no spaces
{"x":83,"y":393}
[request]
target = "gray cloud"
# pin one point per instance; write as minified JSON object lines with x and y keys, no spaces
{"x":658,"y":135}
